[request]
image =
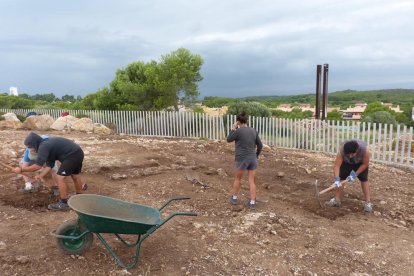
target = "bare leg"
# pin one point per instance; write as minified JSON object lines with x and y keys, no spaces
{"x":252,"y":184}
{"x":366,"y":191}
{"x":339,"y":193}
{"x":77,"y":181}
{"x":237,"y":178}
{"x":63,"y":188}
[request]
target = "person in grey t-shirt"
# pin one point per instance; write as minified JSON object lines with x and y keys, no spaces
{"x":248,"y":147}
{"x":352,"y":162}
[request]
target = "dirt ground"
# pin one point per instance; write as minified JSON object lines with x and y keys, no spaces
{"x":288,"y":233}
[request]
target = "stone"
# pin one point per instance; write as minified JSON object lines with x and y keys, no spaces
{"x":11,"y":117}
{"x":101,"y":129}
{"x":38,"y":122}
{"x":280,"y":174}
{"x":83,"y":124}
{"x":11,"y":125}
{"x":62,"y":123}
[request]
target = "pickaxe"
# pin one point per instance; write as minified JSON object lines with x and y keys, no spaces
{"x":12,"y":169}
{"x":318,"y":193}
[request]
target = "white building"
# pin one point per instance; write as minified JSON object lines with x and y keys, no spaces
{"x":13,"y":91}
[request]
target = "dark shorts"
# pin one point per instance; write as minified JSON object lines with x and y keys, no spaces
{"x":346,"y":169}
{"x":246,"y":164}
{"x":72,"y":164}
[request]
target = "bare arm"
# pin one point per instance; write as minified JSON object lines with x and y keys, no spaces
{"x":31,"y":168}
{"x":338,"y":163}
{"x":365,"y":163}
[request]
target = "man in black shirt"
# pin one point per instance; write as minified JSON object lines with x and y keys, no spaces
{"x":48,"y":151}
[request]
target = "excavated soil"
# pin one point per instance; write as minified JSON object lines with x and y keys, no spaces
{"x":288,"y":233}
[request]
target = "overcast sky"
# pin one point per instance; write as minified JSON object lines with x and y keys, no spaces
{"x":249,"y":47}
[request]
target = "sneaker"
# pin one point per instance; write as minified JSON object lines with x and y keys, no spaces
{"x":55,"y":190}
{"x":333,"y":202}
{"x":234,"y":201}
{"x":368,"y":207}
{"x":84,"y":187}
{"x":58,"y":206}
{"x":251,"y":205}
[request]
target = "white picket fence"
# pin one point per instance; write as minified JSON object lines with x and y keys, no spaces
{"x":388,"y":144}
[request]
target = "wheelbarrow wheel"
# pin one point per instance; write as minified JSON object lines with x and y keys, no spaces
{"x":73,"y":246}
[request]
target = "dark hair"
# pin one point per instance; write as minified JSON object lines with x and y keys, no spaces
{"x":242,"y":117}
{"x":351,"y":147}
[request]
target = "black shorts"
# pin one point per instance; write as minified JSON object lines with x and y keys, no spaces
{"x":346,"y":169}
{"x":72,"y":164}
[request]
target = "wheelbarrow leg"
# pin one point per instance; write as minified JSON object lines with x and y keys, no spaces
{"x":115,"y":256}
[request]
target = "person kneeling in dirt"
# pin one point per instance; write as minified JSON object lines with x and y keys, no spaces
{"x":352,"y":162}
{"x":49,"y":151}
{"x":28,"y":159}
{"x":248,"y":147}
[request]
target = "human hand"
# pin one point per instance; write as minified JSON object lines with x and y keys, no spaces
{"x":235,"y":126}
{"x":337,"y":182}
{"x":352,"y":176}
{"x":17,"y":170}
{"x":38,"y":177}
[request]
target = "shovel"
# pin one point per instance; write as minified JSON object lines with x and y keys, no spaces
{"x":318,"y":193}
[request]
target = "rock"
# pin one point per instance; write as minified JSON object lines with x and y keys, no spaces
{"x":83,"y":124}
{"x":280,"y":174}
{"x":62,"y":123}
{"x":11,"y":117}
{"x":2,"y":245}
{"x":118,"y":176}
{"x":11,"y":125}
{"x":382,"y":202}
{"x":221,"y":172}
{"x":22,"y":259}
{"x":101,"y":129}
{"x":38,"y":122}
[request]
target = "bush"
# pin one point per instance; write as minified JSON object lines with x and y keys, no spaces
{"x":251,"y":108}
{"x":22,"y":118}
{"x":81,"y":115}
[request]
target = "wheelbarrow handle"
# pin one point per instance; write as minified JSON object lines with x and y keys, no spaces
{"x":173,"y":199}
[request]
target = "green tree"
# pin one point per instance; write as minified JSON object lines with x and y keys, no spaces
{"x":153,"y":85}
{"x":251,"y":108}
{"x":375,"y":107}
{"x":382,"y":117}
{"x":68,"y":98}
{"x":334,"y":115}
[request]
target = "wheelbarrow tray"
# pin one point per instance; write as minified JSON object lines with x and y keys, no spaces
{"x":102,"y":214}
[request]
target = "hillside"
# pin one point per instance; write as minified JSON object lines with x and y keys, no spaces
{"x":396,"y":96}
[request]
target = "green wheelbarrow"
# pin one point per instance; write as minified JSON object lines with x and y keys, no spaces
{"x":101,"y":214}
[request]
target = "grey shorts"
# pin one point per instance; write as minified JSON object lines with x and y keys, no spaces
{"x":246,"y":164}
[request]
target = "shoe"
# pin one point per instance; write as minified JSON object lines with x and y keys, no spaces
{"x":333,"y":202}
{"x":55,"y":190}
{"x":251,"y":205}
{"x":58,"y":206}
{"x":84,"y":187}
{"x":368,"y":207}
{"x":233,"y":201}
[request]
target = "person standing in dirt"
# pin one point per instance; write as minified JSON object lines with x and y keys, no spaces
{"x":28,"y":159}
{"x":248,"y":147}
{"x":352,"y":162}
{"x":48,"y":152}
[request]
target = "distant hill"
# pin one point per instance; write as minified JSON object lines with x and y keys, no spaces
{"x":395,"y":96}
